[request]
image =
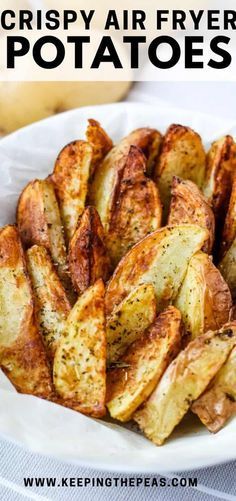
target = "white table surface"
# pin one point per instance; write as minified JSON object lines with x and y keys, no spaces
{"x":218,"y":99}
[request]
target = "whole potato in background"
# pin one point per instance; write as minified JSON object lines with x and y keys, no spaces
{"x":22,"y":103}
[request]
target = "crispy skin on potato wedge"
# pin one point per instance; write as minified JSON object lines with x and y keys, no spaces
{"x":220,"y":165}
{"x":52,"y":305}
{"x":106,"y":177}
{"x":80,"y":361}
{"x":22,"y":353}
{"x":188,"y":205}
{"x":100,"y":142}
{"x":182,"y":155}
{"x":135,"y":208}
{"x":162,"y":259}
{"x":218,"y":402}
{"x":184,"y":381}
{"x":144,"y":363}
{"x":39,"y":222}
{"x":88,"y":257}
{"x":227,"y":263}
{"x":70,"y":179}
{"x":204,"y":298}
{"x":129,"y":320}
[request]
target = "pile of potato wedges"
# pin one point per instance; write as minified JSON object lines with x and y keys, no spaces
{"x":118,"y":280}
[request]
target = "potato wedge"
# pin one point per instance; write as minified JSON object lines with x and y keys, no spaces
{"x":220,"y":165}
{"x":143,"y":365}
{"x":204,"y":298}
{"x":184,"y":381}
{"x":188,"y":205}
{"x":182,"y":155}
{"x":129,"y":320}
{"x":135,"y":208}
{"x":52,"y":305}
{"x":106,"y":177}
{"x":88,"y":257}
{"x":162,"y":259}
{"x":39,"y":222}
{"x":100,"y":142}
{"x":70,"y":179}
{"x":80,"y":361}
{"x":227,"y":263}
{"x":22,"y":354}
{"x":218,"y":402}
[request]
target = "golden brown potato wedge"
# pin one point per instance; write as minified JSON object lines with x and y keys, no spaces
{"x":227,"y":264}
{"x":70,"y":179}
{"x":107,"y":176}
{"x":80,"y":361}
{"x":218,"y":402}
{"x":162,"y":259}
{"x":129,"y":320}
{"x":188,"y":205}
{"x":220,"y":166}
{"x":88,"y":257}
{"x":100,"y":142}
{"x":143,"y":364}
{"x":182,"y":155}
{"x":39,"y":222}
{"x":135,"y":208}
{"x":184,"y":381}
{"x":204,"y":298}
{"x":52,"y":305}
{"x":22,"y":353}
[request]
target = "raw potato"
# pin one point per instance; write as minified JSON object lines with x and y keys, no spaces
{"x":129,"y":320}
{"x":221,"y":163}
{"x":70,"y":179}
{"x":204,"y":298}
{"x":227,"y":264}
{"x":80,"y":361}
{"x":188,"y":205}
{"x":22,"y":354}
{"x":184,"y":381}
{"x":144,"y":363}
{"x":88,"y":258}
{"x":52,"y":305}
{"x":23,"y":102}
{"x":39,"y":222}
{"x":106,"y":177}
{"x":135,"y":207}
{"x":100,"y":142}
{"x":182,"y":155}
{"x":162,"y":259}
{"x":218,"y":403}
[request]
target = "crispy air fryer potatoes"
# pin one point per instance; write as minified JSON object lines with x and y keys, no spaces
{"x":161,"y":258}
{"x":143,"y":365}
{"x":184,"y":381}
{"x":182,"y":155}
{"x":51,"y":303}
{"x":204,"y":298}
{"x":93,"y":229}
{"x":188,"y":205}
{"x":39,"y":222}
{"x":22,"y":354}
{"x":70,"y":178}
{"x":88,"y":257}
{"x":135,"y":207}
{"x":220,"y":166}
{"x":218,"y":403}
{"x":79,"y":367}
{"x":129,"y":320}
